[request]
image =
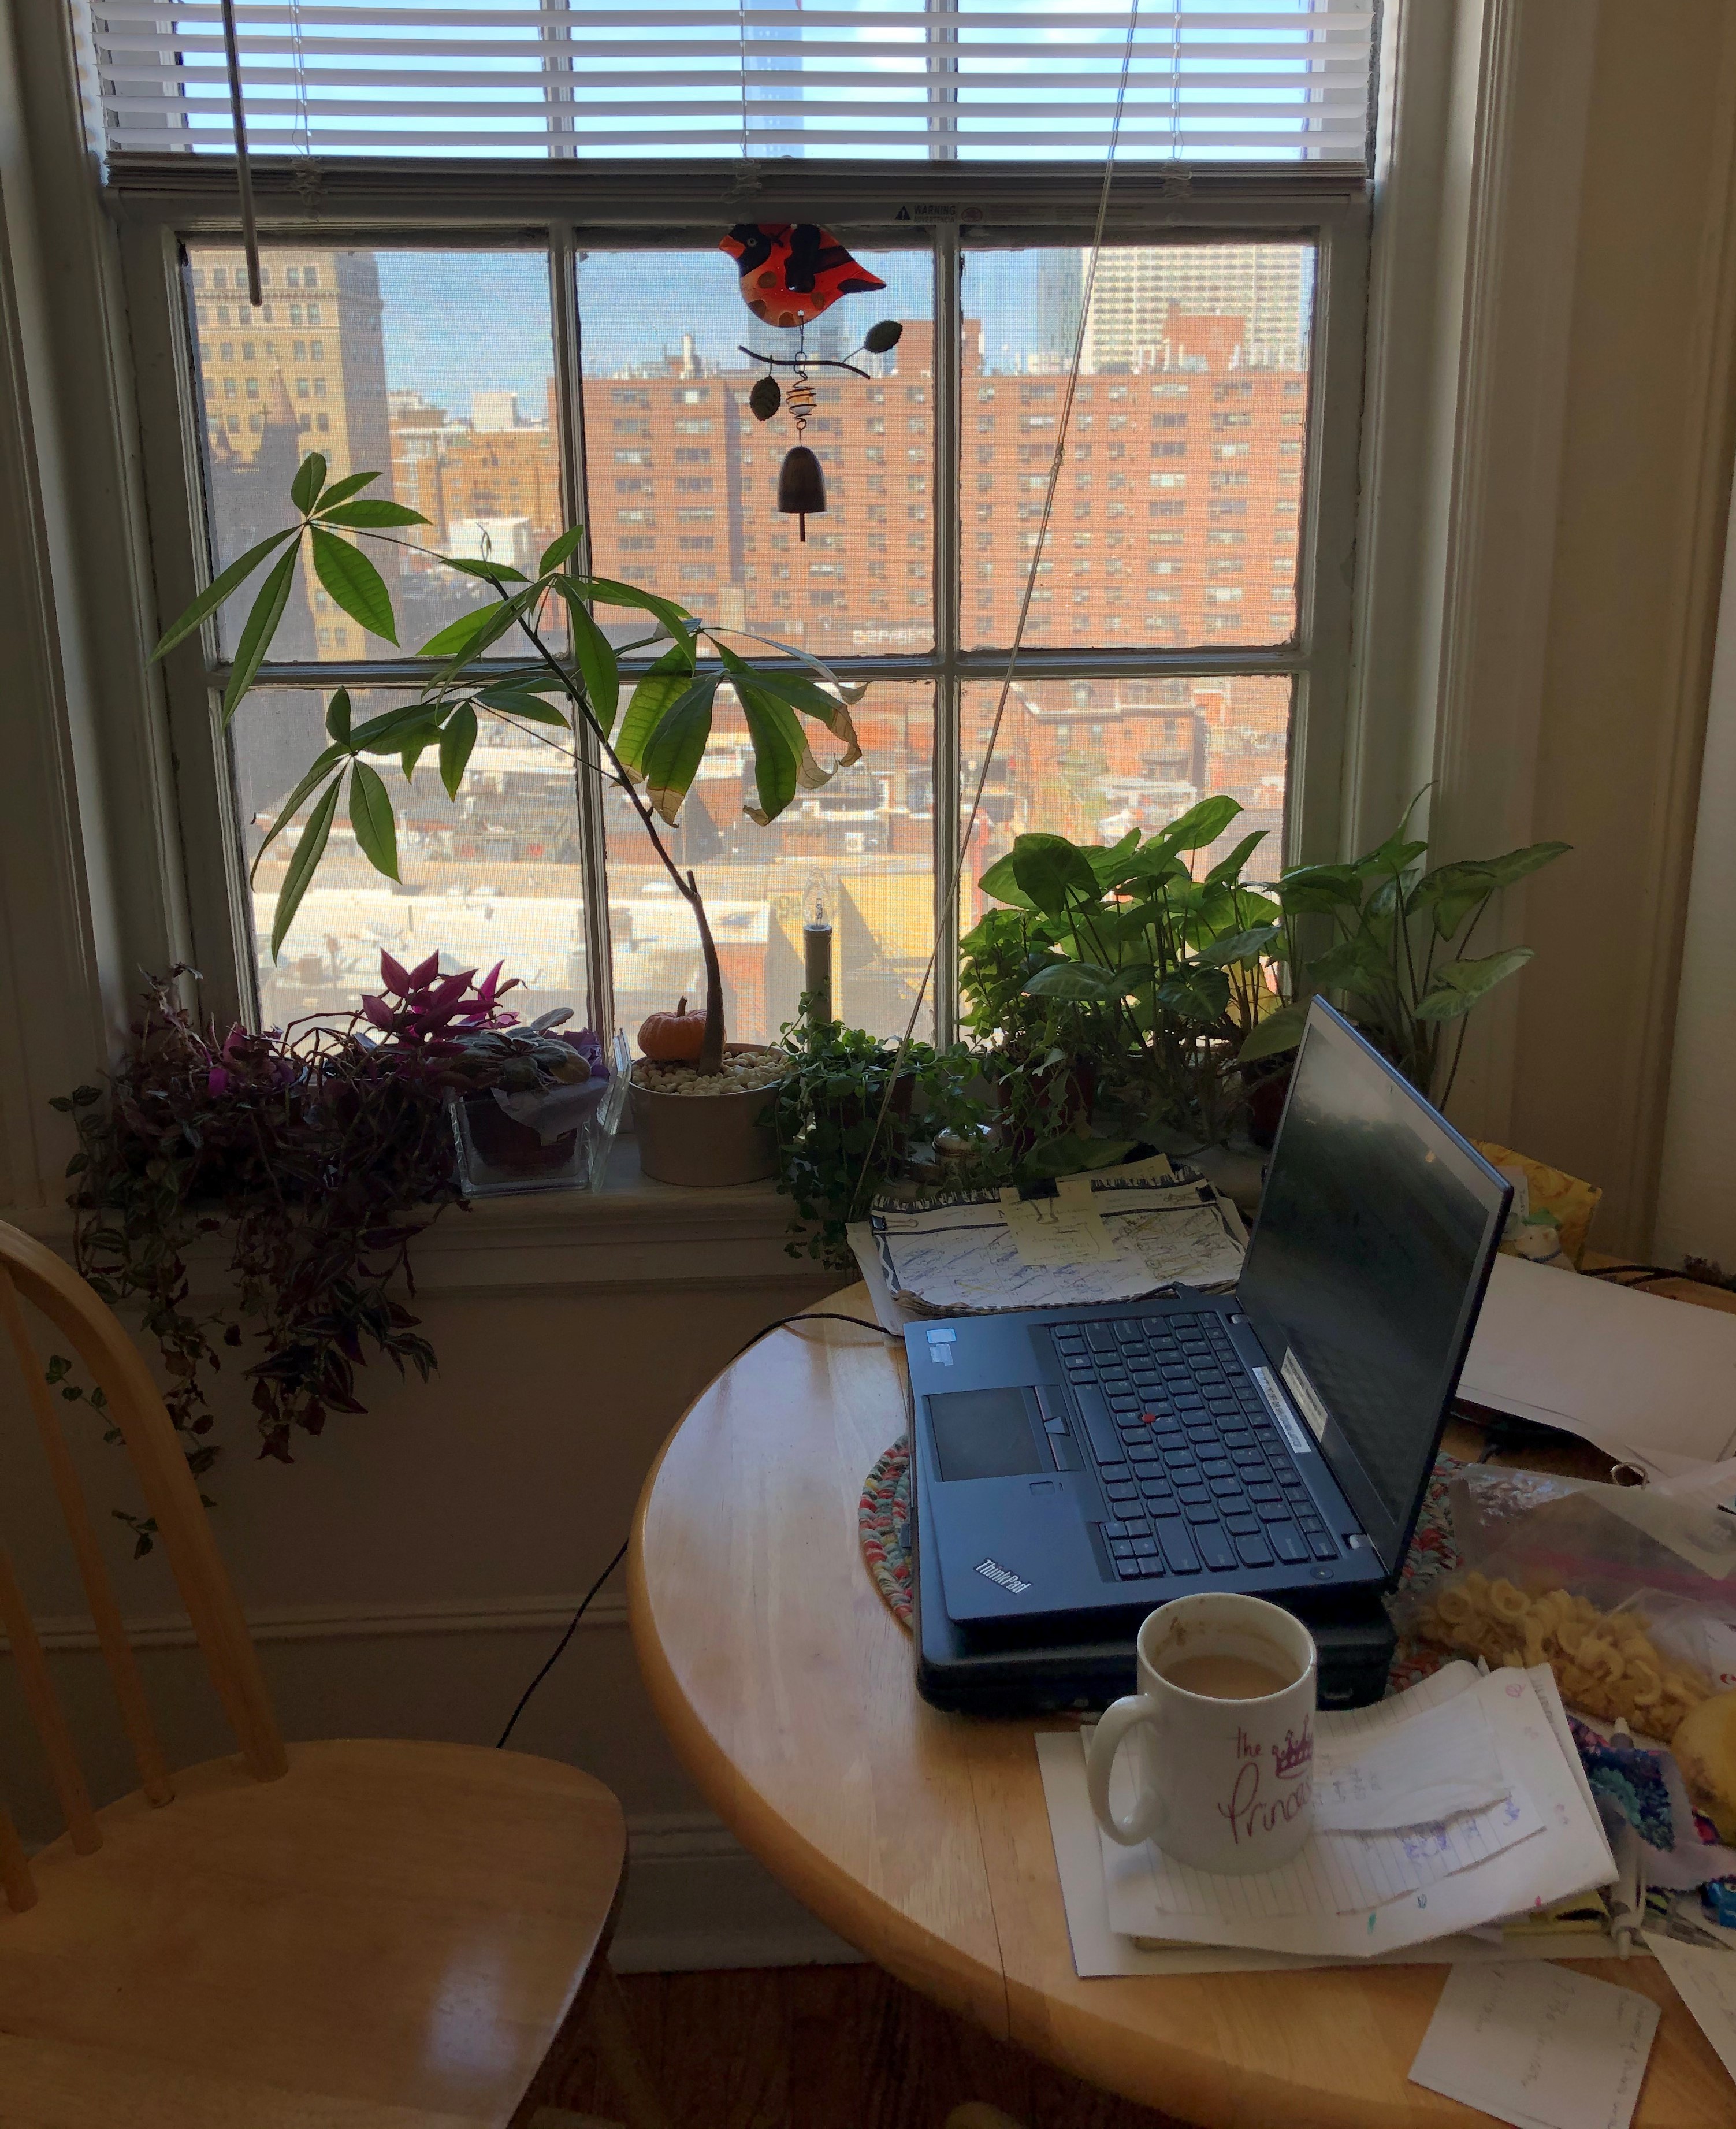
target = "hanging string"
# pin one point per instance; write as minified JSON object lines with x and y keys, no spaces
{"x":243,"y":168}
{"x":947,"y":914}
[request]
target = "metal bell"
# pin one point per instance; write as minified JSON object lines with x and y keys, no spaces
{"x":800,"y":486}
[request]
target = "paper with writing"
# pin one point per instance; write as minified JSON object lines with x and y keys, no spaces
{"x":1704,"y":1977}
{"x":1097,"y":1950}
{"x":1479,"y":1878}
{"x":1538,"y":2046}
{"x":1056,"y":1231}
{"x":1440,"y":1763}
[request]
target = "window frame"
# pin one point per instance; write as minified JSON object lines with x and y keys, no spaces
{"x":159,"y":203}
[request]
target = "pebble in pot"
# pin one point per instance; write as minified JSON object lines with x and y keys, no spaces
{"x":703,"y":1128}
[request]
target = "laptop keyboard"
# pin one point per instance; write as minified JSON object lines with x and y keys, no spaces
{"x":1196,"y":1472}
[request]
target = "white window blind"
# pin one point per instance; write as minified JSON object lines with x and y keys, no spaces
{"x":936,"y":80}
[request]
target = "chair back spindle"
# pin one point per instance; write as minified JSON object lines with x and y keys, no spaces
{"x":30,"y":1272}
{"x":99,"y":1593}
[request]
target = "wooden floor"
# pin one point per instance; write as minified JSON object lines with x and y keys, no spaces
{"x":828,"y":2047}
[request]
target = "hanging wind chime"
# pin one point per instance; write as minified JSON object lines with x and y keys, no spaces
{"x":790,"y":273}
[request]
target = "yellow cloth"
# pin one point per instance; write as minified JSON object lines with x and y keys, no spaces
{"x":1551,"y":1204}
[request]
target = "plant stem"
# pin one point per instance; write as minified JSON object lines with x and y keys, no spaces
{"x":710,"y":1060}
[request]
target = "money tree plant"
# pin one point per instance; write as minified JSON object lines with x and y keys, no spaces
{"x":651,"y":747}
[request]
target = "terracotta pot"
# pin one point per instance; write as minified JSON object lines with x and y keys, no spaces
{"x":707,"y":1140}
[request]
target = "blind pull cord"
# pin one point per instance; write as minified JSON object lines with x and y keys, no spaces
{"x":243,"y":168}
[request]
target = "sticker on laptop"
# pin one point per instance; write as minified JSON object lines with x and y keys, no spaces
{"x":1279,"y":1407}
{"x":940,"y":1344}
{"x":1305,"y":1394}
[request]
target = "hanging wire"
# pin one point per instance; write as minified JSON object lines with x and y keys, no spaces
{"x":243,"y":168}
{"x":950,"y":907}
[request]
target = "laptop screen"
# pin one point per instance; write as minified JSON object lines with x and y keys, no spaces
{"x":1366,"y":1268}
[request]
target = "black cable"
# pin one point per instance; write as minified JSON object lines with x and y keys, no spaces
{"x":572,"y":1629}
{"x":810,"y":1316}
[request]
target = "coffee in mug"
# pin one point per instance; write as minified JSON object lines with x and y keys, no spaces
{"x":1225,"y":1743}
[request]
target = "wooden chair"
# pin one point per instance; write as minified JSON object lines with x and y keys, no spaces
{"x":338,"y":1936}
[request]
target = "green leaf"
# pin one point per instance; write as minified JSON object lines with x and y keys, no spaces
{"x":411,"y":756}
{"x":1243,"y":946}
{"x":1274,"y":1034}
{"x":1359,"y":963}
{"x":1454,"y":891}
{"x":800,"y":694}
{"x":1318,"y":889}
{"x":310,"y":478}
{"x":340,"y":490}
{"x":303,"y":864}
{"x":667,"y":679}
{"x":998,"y":881}
{"x":1394,"y":856}
{"x":456,"y":639}
{"x":1085,"y":982}
{"x":1200,"y":825}
{"x":1053,"y":873}
{"x":598,"y":665}
{"x":370,"y":816}
{"x":605,"y":591}
{"x":337,"y":717}
{"x":385,"y":733}
{"x":322,"y":765}
{"x":219,"y":590}
{"x":1198,"y":995}
{"x":672,"y":754}
{"x":561,"y":549}
{"x":1227,"y":870}
{"x":262,"y":625}
{"x":491,"y":573}
{"x":1107,"y":860}
{"x":353,"y":583}
{"x":456,"y":741}
{"x":778,"y":748}
{"x":373,"y":511}
{"x":521,"y":703}
{"x":1459,"y":986}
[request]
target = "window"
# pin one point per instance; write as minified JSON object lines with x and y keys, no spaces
{"x":1140,"y":688}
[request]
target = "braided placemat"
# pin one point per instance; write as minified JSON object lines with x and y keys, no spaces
{"x":883,"y":1519}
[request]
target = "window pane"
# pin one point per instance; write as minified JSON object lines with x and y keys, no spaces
{"x":1090,"y":759}
{"x":495,"y":877}
{"x":683,"y":480}
{"x":1176,"y":515}
{"x":433,"y":369}
{"x":865,"y":839}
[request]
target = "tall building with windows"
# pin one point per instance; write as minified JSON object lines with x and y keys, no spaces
{"x":305,"y":372}
{"x":1268,"y":286}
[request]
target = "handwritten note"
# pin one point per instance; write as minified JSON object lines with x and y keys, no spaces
{"x":1704,"y":1977}
{"x":1440,"y":1763}
{"x":1539,"y":2046}
{"x":1055,"y":1231}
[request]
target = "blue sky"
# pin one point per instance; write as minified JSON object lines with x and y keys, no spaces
{"x":458,"y":322}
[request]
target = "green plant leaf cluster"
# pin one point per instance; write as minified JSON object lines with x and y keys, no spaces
{"x":1187,"y":985}
{"x":654,"y":745}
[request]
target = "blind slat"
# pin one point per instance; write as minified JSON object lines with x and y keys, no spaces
{"x":339,"y":75}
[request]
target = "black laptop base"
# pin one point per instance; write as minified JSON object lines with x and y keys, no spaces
{"x":987,"y":1672}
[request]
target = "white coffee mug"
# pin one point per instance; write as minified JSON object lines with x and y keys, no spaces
{"x":1224,"y":1783}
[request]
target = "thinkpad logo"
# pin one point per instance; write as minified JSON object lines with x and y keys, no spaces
{"x":993,"y":1571}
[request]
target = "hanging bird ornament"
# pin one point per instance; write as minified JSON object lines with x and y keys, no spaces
{"x":791,"y":272}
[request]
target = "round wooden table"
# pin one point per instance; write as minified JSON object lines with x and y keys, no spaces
{"x":789,"y":1692}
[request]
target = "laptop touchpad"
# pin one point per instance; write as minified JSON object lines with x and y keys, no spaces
{"x":985,"y":1434}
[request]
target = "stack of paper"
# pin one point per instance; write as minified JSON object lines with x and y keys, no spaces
{"x":1441,"y":1812}
{"x":1115,"y":1235}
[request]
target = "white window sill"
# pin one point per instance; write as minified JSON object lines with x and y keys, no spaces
{"x":633,"y":1231}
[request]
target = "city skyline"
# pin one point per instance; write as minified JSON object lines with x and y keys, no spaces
{"x":1176,"y":521}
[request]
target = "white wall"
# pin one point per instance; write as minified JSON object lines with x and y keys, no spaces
{"x":1696,"y":1199}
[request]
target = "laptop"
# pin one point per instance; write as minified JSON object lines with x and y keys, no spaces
{"x":1075,"y":1467}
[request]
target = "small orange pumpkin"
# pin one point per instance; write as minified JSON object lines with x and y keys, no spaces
{"x":672,"y":1038}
